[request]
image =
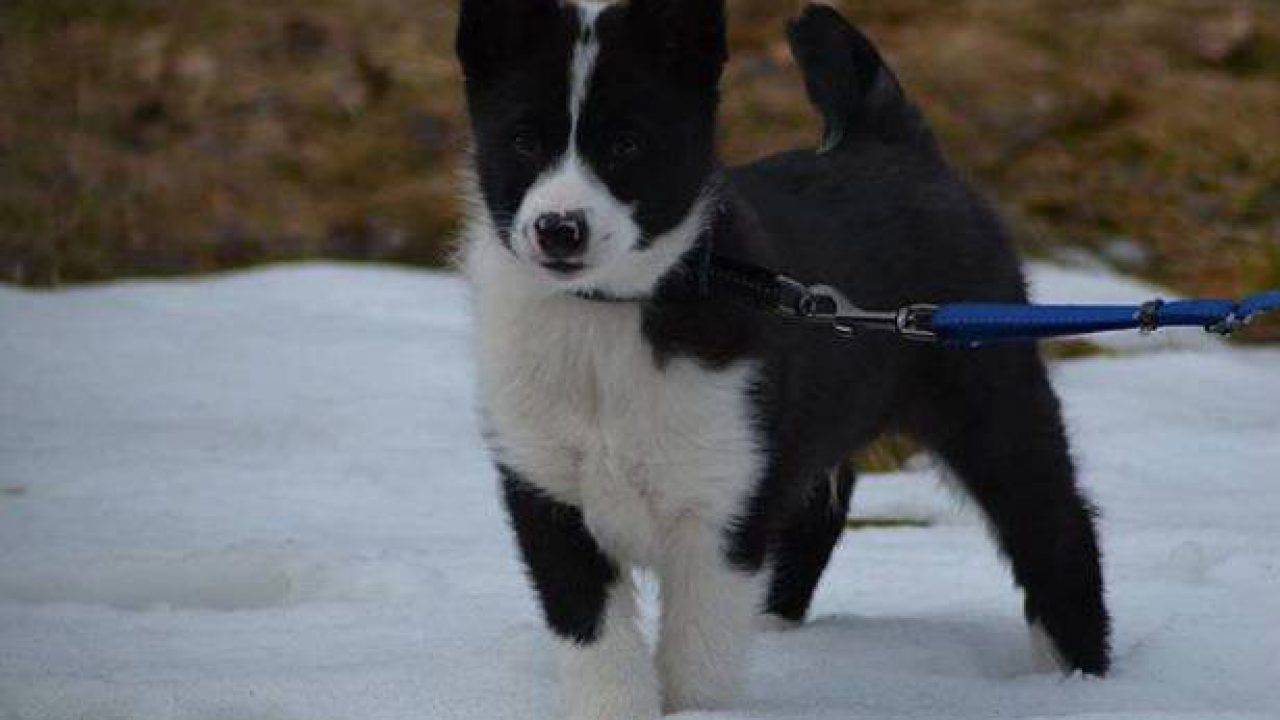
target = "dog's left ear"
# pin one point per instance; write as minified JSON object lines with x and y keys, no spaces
{"x":688,"y":36}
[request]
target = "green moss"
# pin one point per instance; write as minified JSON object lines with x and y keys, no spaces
{"x":886,"y":523}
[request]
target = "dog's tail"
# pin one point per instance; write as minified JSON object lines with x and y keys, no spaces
{"x":849,"y":82}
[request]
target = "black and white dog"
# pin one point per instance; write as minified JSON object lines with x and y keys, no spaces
{"x":637,"y":424}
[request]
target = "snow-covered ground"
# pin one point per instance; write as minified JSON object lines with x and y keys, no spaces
{"x":263,"y":497}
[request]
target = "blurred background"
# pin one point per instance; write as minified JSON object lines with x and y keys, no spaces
{"x":145,"y":138}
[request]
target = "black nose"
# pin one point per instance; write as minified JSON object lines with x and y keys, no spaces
{"x":561,"y":235}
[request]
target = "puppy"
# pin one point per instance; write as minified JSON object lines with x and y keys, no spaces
{"x":635,"y":423}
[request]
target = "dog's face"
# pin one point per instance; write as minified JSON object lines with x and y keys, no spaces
{"x":594,"y":131}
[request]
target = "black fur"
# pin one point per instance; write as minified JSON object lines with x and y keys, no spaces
{"x":848,"y":82}
{"x":570,"y":572}
{"x":514,"y":55}
{"x":803,"y":546}
{"x":878,"y":214}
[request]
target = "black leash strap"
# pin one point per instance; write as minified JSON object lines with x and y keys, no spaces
{"x":760,"y":288}
{"x":711,"y":276}
{"x":786,"y":297}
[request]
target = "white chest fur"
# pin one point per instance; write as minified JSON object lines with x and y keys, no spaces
{"x":576,"y":403}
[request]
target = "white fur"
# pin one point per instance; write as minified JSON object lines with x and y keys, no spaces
{"x":659,"y":459}
{"x":612,"y":677}
{"x":569,"y":186}
{"x":708,"y":612}
{"x":574,"y":399}
{"x":584,"y":62}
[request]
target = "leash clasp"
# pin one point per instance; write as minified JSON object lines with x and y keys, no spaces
{"x":915,"y":322}
{"x":1226,"y":326}
{"x":827,"y":305}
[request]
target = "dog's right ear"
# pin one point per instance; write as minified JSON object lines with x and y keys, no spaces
{"x":494,"y":32}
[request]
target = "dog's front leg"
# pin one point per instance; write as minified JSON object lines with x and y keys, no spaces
{"x":590,"y":605}
{"x":708,"y":610}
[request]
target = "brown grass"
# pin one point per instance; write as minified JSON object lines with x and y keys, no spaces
{"x":145,"y":137}
{"x":183,"y":137}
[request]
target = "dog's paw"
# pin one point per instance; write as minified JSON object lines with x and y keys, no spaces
{"x":1045,"y":657}
{"x":690,"y":700}
{"x":694,"y":681}
{"x":1067,"y":656}
{"x":612,"y":681}
{"x":615,"y":708}
{"x":614,"y":702}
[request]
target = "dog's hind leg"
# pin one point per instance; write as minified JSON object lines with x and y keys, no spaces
{"x":995,"y":420}
{"x":801,"y":551}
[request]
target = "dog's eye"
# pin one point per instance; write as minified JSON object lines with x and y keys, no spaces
{"x":625,"y":146}
{"x":526,"y":142}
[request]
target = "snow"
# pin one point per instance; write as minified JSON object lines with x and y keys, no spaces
{"x":263,"y":497}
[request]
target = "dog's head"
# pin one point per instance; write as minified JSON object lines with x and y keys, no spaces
{"x":594,"y":131}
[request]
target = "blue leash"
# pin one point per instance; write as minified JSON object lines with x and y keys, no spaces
{"x":954,"y":324}
{"x":981,"y":323}
{"x":976,"y":324}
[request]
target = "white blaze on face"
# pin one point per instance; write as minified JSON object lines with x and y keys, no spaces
{"x":585,"y":52}
{"x":570,"y":186}
{"x":613,"y":260}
